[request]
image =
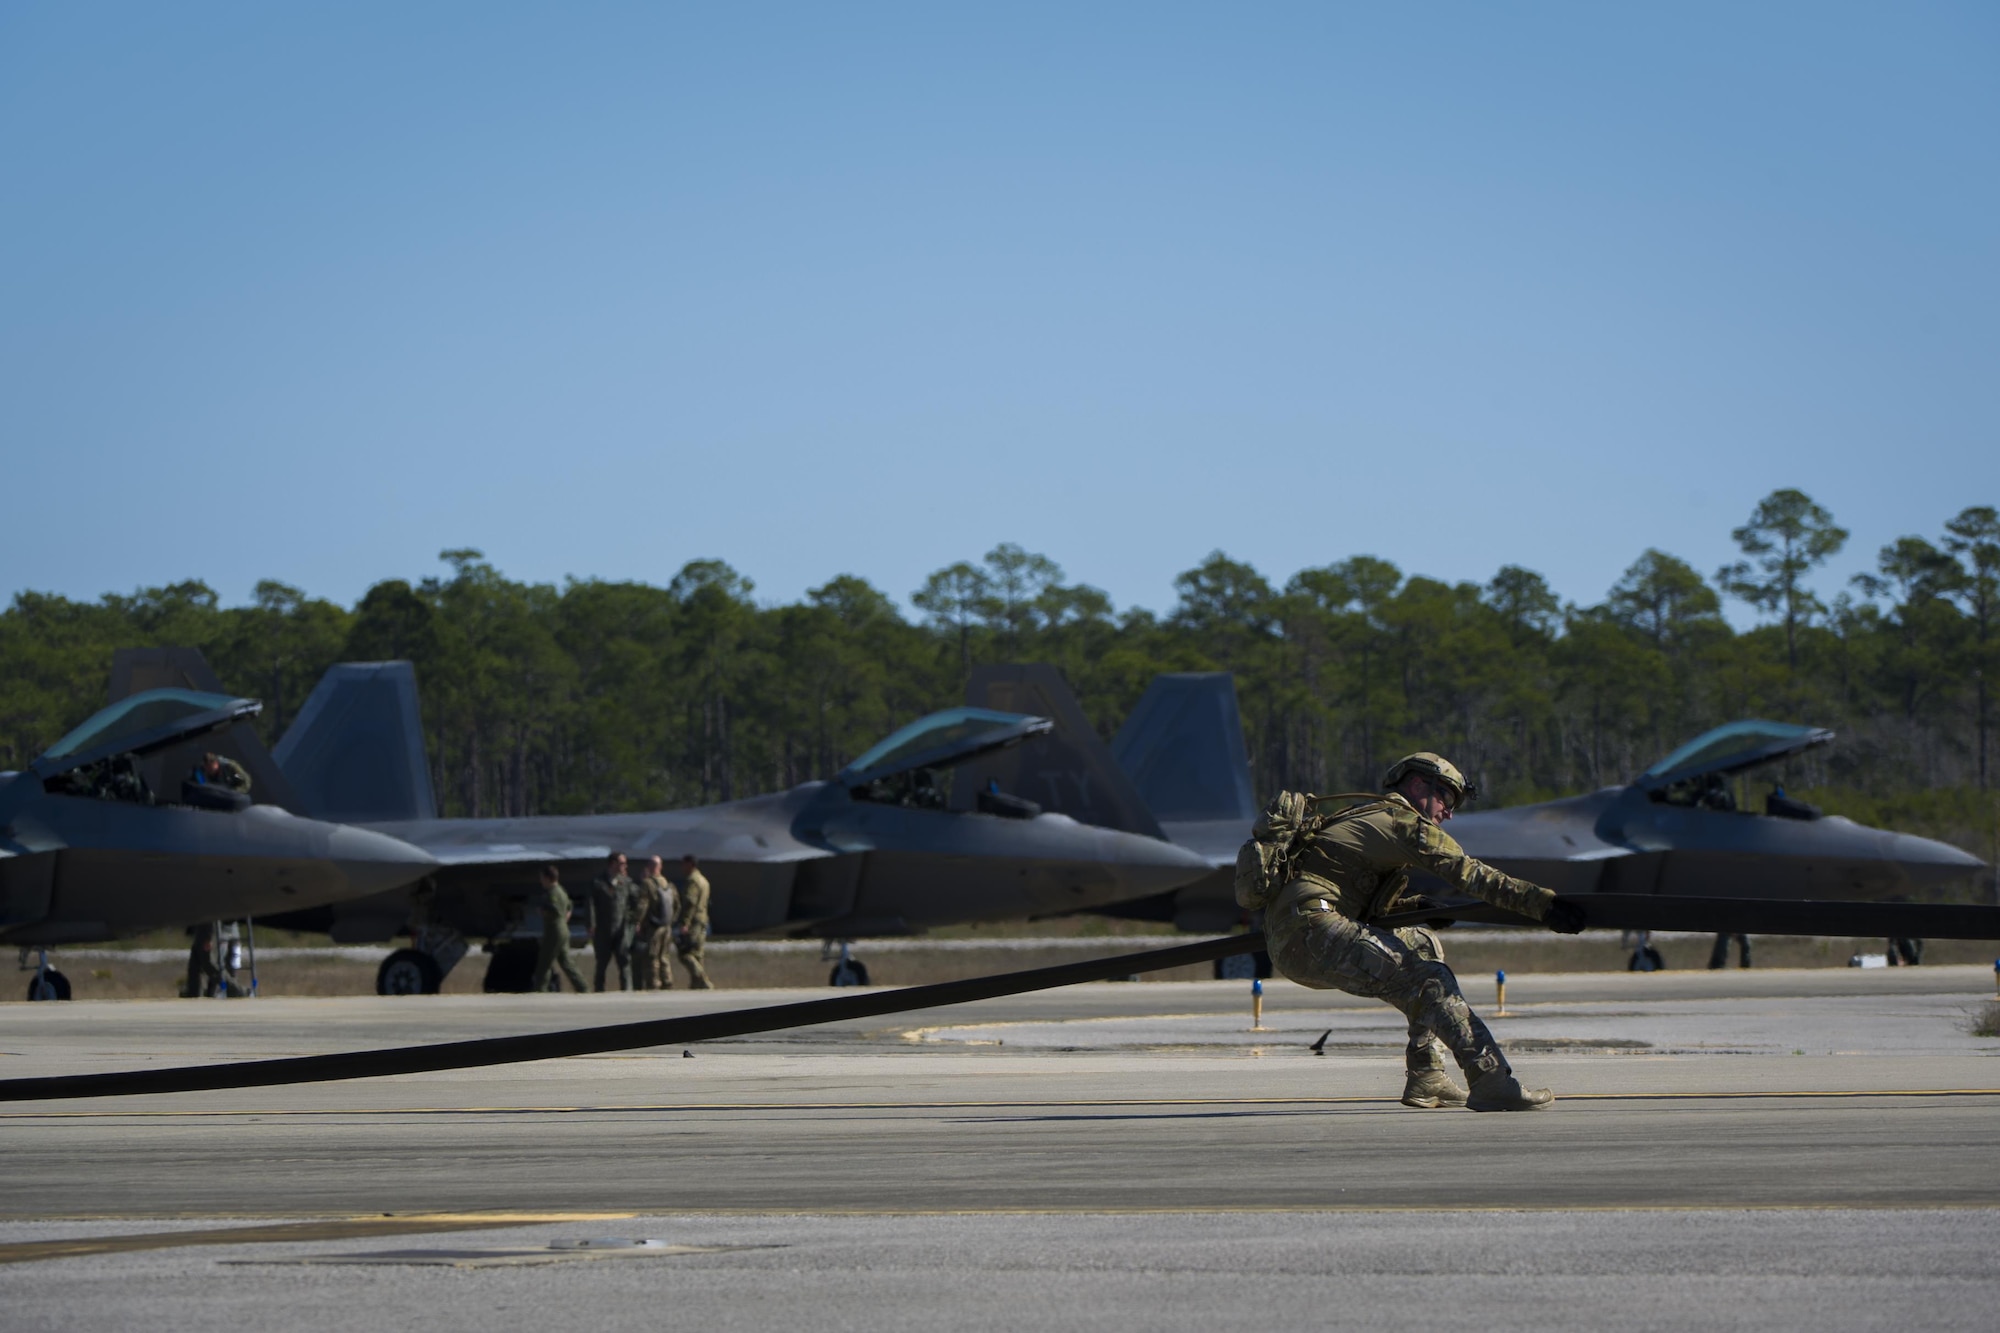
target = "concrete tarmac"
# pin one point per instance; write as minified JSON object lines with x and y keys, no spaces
{"x":1781,"y":1147}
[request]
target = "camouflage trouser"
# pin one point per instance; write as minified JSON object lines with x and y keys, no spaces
{"x":1405,"y":967}
{"x":614,"y":948}
{"x":553,"y":952}
{"x":690,"y":947}
{"x":650,"y":965}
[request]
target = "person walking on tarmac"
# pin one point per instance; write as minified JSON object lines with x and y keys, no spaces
{"x":611,"y":921}
{"x":691,"y":924}
{"x":1322,"y":870}
{"x":553,"y":950}
{"x":653,"y":928}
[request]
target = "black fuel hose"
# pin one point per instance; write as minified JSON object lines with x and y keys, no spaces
{"x":611,"y":1036}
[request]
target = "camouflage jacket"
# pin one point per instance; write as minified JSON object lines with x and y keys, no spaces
{"x":652,"y":904}
{"x":233,"y":775}
{"x":1361,"y":864}
{"x":693,"y":909}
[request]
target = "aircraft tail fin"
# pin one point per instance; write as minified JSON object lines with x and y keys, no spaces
{"x":136,"y":670}
{"x":1182,"y":746}
{"x":355,"y":753}
{"x":1069,"y":771}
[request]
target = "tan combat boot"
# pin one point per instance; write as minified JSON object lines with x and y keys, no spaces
{"x":1429,"y":1088}
{"x":1501,"y":1091}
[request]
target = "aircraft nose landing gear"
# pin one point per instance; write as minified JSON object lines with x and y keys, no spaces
{"x":47,"y":983}
{"x":849,"y":971}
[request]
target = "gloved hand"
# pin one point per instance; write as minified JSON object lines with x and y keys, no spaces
{"x":1564,"y":917}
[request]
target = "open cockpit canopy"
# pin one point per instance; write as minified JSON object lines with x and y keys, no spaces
{"x":1731,"y":749}
{"x":941,"y":740}
{"x":141,"y":724}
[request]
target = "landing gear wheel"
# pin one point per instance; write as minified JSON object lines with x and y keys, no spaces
{"x":1245,"y":967}
{"x":49,"y":985}
{"x":408,"y":972}
{"x":849,"y":972}
{"x":1646,"y":960}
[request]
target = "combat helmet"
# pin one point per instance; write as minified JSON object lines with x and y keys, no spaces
{"x":1435,"y":767}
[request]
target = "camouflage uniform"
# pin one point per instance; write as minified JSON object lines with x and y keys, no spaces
{"x":653,"y":932}
{"x":611,"y":927}
{"x":691,"y":929}
{"x":553,"y":950}
{"x":1352,"y":872}
{"x":232,"y":775}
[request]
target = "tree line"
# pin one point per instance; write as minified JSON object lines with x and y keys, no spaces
{"x":600,"y":695}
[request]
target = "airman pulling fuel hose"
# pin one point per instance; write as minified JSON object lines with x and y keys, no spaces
{"x":1628,"y":911}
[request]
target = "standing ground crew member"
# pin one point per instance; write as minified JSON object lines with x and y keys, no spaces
{"x":204,"y":976}
{"x":653,"y":928}
{"x":611,"y":921}
{"x":1323,"y":869}
{"x":1719,"y":956}
{"x":553,"y":950}
{"x":691,"y":924}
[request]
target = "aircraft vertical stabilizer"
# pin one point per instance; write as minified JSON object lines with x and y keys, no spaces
{"x":1183,"y":748}
{"x":1068,"y":772}
{"x":355,"y":754}
{"x":135,"y":670}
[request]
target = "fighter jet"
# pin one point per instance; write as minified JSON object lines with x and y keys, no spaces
{"x":889,"y":846}
{"x":1678,"y":830}
{"x":101,"y":837}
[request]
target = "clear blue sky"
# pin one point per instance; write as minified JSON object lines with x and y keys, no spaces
{"x":313,"y":291}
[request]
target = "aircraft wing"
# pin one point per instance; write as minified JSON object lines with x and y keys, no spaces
{"x":1746,"y":916}
{"x":756,"y":831}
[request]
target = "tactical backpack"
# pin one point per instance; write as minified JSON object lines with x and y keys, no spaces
{"x":1269,"y":860}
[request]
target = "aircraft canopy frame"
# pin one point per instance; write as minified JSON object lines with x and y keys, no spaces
{"x":938,"y":740}
{"x":1732,"y":748}
{"x":152,"y":720}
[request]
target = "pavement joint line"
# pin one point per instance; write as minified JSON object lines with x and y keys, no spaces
{"x":346,"y":1228}
{"x":1019,"y":1105}
{"x":1047,"y":1210}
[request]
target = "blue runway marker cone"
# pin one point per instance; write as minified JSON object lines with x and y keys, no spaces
{"x":1499,"y":993}
{"x":1257,"y":1004}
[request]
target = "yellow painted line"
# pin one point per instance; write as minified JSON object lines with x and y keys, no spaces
{"x":345,"y":1228}
{"x":1071,"y":1103}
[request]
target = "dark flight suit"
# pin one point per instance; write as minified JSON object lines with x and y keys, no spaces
{"x":1353,"y":872}
{"x":204,"y":976}
{"x":611,"y":927}
{"x":1719,"y":955}
{"x":691,"y":929}
{"x":553,"y":950}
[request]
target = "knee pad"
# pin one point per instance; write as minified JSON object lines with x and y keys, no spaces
{"x":1425,"y":944}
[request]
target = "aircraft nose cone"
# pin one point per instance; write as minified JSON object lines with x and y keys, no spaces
{"x":375,"y":862}
{"x":1152,"y":865}
{"x":1935,"y":865}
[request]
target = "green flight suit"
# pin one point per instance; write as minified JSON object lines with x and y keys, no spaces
{"x":611,"y":927}
{"x":691,"y":929}
{"x":1354,"y":871}
{"x":553,"y":949}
